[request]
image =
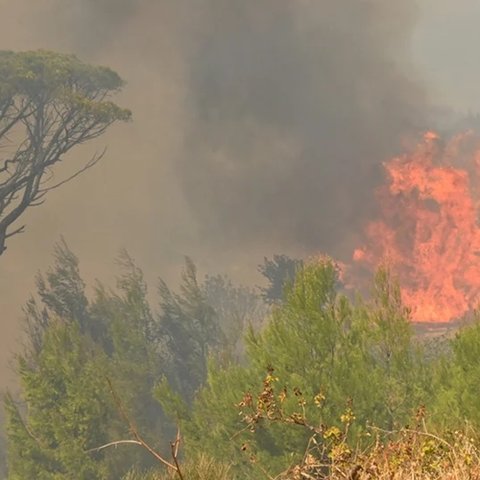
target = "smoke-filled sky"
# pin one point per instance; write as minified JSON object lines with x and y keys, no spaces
{"x":259,"y":126}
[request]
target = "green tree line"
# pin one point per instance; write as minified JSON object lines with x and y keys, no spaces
{"x":96,"y":369}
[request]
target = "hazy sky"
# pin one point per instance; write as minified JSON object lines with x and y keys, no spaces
{"x":258,"y":126}
{"x":446,"y":47}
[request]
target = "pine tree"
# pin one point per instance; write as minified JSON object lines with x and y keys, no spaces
{"x":64,"y":412}
{"x":280,"y":274}
{"x":76,"y":347}
{"x":236,"y":308}
{"x":457,"y":373}
{"x":359,"y":354}
{"x":188,"y":331}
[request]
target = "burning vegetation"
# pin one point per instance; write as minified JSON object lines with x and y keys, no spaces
{"x":427,"y":228}
{"x":242,"y":111}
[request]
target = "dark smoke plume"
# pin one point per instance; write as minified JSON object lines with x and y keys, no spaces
{"x":294,"y":106}
{"x":259,"y":127}
{"x":288,"y":106}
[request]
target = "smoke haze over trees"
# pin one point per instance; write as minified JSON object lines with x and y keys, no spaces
{"x":287,"y":108}
{"x":259,"y":128}
{"x":95,"y":372}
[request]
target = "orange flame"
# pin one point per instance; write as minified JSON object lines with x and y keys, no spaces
{"x":428,"y":227}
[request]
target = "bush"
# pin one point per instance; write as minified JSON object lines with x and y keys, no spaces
{"x":201,"y":468}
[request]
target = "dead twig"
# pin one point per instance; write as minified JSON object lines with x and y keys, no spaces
{"x":138,"y":439}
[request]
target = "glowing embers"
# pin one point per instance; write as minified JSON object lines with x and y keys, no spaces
{"x":427,"y":230}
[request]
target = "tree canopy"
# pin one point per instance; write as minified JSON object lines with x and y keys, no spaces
{"x":98,"y":367}
{"x":75,"y":345}
{"x":49,"y":103}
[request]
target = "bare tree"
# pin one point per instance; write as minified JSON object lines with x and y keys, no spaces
{"x":49,"y":103}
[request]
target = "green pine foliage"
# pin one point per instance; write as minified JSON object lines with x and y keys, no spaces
{"x":236,"y":309}
{"x":97,"y":368}
{"x":456,"y":380}
{"x":133,"y":347}
{"x":280,"y":273}
{"x":64,"y":410}
{"x":77,"y":346}
{"x":322,"y":344}
{"x":49,"y":104}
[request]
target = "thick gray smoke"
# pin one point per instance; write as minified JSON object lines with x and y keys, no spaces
{"x":259,"y":126}
{"x":288,"y":107}
{"x":294,"y":105}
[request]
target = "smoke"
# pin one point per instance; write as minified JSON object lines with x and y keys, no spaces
{"x":259,"y":127}
{"x":288,"y":107}
{"x":284,"y":109}
{"x":294,"y":106}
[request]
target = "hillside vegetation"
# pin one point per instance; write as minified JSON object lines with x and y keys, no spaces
{"x":222,"y":381}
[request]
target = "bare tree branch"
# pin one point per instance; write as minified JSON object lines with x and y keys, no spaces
{"x":15,"y":232}
{"x":113,"y":444}
{"x":140,"y":441}
{"x":92,"y":162}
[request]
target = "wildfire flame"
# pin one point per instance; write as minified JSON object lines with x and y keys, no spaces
{"x":427,"y":230}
